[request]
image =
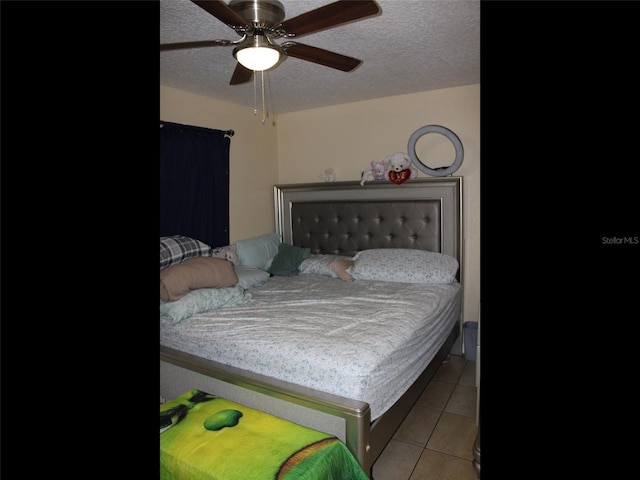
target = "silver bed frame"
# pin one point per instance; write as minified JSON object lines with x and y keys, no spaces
{"x":340,"y":218}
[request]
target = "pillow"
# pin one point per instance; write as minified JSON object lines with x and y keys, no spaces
{"x":258,"y":251}
{"x":250,"y":277}
{"x":287,"y":260}
{"x":202,"y":300}
{"x":318,"y":264}
{"x":404,"y":265}
{"x":339,"y":267}
{"x":176,"y":248}
{"x":227,"y":253}
{"x":199,"y":272}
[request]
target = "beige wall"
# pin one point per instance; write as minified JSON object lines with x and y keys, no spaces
{"x":297,"y":147}
{"x":348,"y":137}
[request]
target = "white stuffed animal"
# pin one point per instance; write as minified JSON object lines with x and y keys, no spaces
{"x":367,"y":176}
{"x":378,"y":171}
{"x":328,"y":175}
{"x":399,"y":168}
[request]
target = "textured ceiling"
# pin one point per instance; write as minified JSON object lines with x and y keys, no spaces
{"x":412,"y":46}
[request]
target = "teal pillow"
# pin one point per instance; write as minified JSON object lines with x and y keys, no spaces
{"x":287,"y":261}
{"x":250,"y":277}
{"x":258,"y":251}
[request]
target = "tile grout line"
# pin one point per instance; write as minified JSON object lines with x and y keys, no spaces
{"x":425,"y":448}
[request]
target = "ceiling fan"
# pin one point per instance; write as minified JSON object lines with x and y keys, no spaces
{"x":258,"y":22}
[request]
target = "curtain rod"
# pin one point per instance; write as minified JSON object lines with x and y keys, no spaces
{"x":229,"y":132}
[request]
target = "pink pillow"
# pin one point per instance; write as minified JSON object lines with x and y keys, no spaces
{"x":198,"y":272}
{"x":339,"y":267}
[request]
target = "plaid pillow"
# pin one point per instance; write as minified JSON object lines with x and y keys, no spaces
{"x":176,"y":248}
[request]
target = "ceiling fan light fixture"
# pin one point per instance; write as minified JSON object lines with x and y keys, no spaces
{"x":257,"y":53}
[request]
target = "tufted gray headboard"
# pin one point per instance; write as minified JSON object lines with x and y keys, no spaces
{"x":346,"y":217}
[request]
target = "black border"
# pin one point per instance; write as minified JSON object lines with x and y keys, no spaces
{"x":558,"y":100}
{"x":80,"y":111}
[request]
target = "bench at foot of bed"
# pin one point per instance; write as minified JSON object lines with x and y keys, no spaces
{"x":203,"y":436}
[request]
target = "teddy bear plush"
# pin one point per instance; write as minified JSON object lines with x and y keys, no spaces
{"x":399,"y":168}
{"x":377,"y":171}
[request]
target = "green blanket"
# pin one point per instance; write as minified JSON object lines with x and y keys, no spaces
{"x":208,"y":437}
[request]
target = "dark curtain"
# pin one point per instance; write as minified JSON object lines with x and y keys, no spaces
{"x":194,"y":183}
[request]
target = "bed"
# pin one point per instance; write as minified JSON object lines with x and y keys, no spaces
{"x":358,"y":354}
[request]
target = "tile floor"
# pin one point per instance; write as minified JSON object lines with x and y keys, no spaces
{"x":435,"y":441}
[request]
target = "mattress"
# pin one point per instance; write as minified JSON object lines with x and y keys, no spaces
{"x":364,"y":340}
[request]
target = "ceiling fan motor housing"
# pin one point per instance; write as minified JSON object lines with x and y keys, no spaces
{"x":259,"y":13}
{"x":259,"y":21}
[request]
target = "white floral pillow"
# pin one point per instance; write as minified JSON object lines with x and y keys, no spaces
{"x":200,"y":301}
{"x":318,"y":264}
{"x":404,"y":265}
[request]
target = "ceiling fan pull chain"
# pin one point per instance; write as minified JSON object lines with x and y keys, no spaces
{"x":255,"y":95}
{"x":264,"y":110}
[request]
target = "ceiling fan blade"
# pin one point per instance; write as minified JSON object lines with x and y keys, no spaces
{"x":331,"y":15}
{"x":241,"y":75}
{"x":320,"y":56}
{"x":203,"y":43}
{"x":222,"y":12}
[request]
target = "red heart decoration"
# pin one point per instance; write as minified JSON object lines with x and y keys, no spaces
{"x":399,"y":177}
